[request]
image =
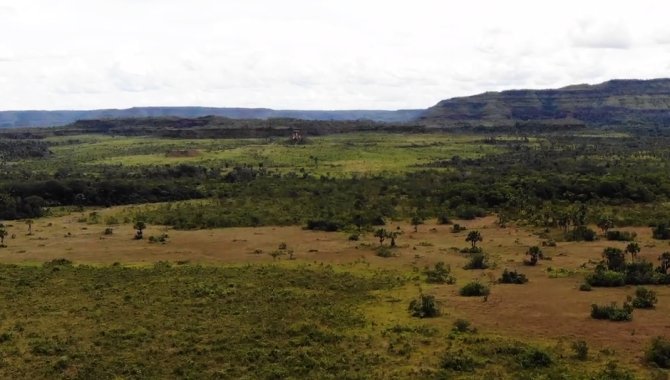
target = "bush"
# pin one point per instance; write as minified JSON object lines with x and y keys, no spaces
{"x":549,"y":243}
{"x":659,"y":352}
{"x":606,"y":278}
{"x":108,"y":231}
{"x":463,"y":326}
{"x":582,"y":233}
{"x":477,"y":261}
{"x":385,"y":251}
{"x":615,"y":235}
{"x":469,"y":212}
{"x":440,"y":274}
{"x":585,"y":287}
{"x":613,"y":372}
{"x":474,"y":289}
{"x":534,"y":253}
{"x":612,"y":312}
{"x":512,"y":277}
{"x":443,"y":219}
{"x":581,"y":350}
{"x":456,"y":228}
{"x":644,"y":298}
{"x":424,"y":307}
{"x":459,"y":361}
{"x":640,"y":273}
{"x":354,"y":237}
{"x":323,"y":225}
{"x":534,"y":358}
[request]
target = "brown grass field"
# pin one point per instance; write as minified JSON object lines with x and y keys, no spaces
{"x":549,"y":309}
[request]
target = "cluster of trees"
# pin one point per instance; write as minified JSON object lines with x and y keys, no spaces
{"x":616,"y":270}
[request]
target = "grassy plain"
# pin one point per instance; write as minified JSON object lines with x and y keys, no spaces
{"x":337,"y":155}
{"x":158,"y":314}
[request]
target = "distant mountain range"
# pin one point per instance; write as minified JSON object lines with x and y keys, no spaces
{"x":58,"y":118}
{"x":613,"y":103}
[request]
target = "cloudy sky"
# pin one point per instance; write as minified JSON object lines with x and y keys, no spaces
{"x":316,"y":54}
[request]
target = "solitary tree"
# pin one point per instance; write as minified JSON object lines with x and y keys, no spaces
{"x":29,"y":222}
{"x":534,"y":254}
{"x":381,"y":234}
{"x":605,"y":224}
{"x":633,"y":248}
{"x":473,"y":238}
{"x":139,"y":226}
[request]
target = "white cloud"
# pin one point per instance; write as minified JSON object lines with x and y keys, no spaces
{"x":601,"y":35}
{"x":315,"y":54}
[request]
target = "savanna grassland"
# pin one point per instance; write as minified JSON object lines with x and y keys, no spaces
{"x":354,"y":255}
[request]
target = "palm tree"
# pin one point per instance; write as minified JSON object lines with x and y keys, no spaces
{"x":381,"y":234}
{"x":139,"y":226}
{"x":633,"y":248}
{"x":474,"y":237}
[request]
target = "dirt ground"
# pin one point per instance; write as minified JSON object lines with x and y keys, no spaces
{"x":545,"y":309}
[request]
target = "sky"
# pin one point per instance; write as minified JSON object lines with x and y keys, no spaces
{"x":316,"y":54}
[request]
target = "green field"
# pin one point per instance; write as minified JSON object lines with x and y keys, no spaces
{"x":338,"y":155}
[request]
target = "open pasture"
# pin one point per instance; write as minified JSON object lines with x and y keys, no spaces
{"x":548,"y":311}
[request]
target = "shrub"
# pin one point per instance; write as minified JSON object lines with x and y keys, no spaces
{"x":613,"y":372}
{"x":459,"y":361}
{"x":424,"y":307}
{"x":512,"y":277}
{"x":385,"y":251}
{"x":582,"y":233}
{"x":612,"y":312}
{"x":585,"y":287}
{"x":354,"y":237}
{"x":581,"y":350}
{"x":534,"y":358}
{"x":640,"y":273}
{"x":463,"y":326}
{"x":323,"y":225}
{"x":440,"y":274}
{"x":606,"y":278}
{"x":474,"y":289}
{"x":477,"y":261}
{"x":58,"y":263}
{"x":616,"y":235}
{"x":471,"y":250}
{"x":534,"y":254}
{"x":549,"y":243}
{"x":108,"y":231}
{"x":456,"y":228}
{"x":659,"y":352}
{"x":644,"y":298}
{"x":468,"y":212}
{"x":443,"y":219}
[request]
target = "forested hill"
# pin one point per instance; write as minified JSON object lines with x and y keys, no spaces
{"x":613,"y":103}
{"x":10,"y":119}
